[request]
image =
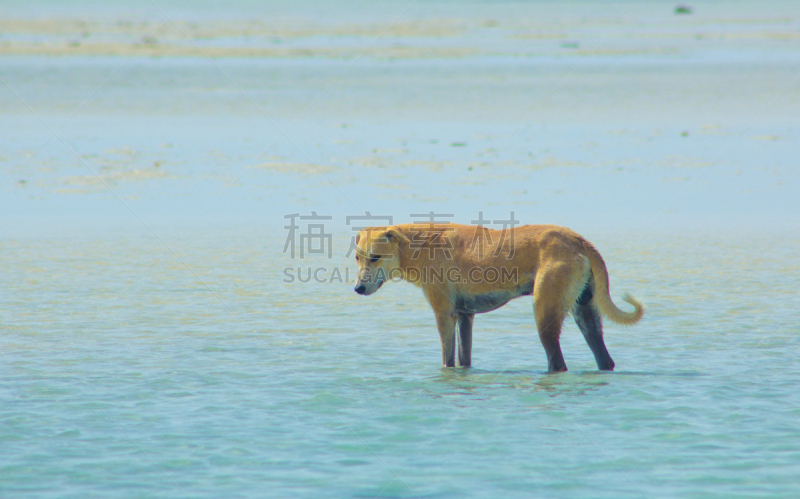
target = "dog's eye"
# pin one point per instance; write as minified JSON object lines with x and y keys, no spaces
{"x":374,"y":258}
{"x":356,"y":257}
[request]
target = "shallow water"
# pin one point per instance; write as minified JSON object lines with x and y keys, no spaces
{"x":152,"y":347}
{"x":200,"y":373}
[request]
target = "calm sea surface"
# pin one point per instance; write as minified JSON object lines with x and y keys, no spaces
{"x":156,"y":335}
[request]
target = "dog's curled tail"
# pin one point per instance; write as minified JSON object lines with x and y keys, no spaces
{"x":601,"y":299}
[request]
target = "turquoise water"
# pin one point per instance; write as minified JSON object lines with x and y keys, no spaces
{"x":151,"y":345}
{"x":199,"y":374}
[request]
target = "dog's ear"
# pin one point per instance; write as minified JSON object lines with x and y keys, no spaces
{"x":394,"y":235}
{"x":358,"y":237}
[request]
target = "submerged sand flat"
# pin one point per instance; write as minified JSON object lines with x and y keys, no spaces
{"x":627,"y":30}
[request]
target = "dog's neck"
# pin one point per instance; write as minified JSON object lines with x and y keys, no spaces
{"x":404,"y":255}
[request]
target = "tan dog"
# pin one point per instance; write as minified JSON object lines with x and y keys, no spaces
{"x":466,"y":270}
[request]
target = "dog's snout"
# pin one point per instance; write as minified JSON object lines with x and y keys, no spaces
{"x":360,"y":289}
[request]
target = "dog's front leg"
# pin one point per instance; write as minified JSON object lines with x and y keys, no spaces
{"x":446,"y":322}
{"x":445,"y":310}
{"x":465,"y":339}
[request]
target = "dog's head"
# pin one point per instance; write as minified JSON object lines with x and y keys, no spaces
{"x":378,"y":257}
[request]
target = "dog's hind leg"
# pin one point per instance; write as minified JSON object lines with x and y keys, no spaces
{"x":549,"y":324}
{"x":465,"y":339}
{"x":554,"y":290}
{"x":591,"y":325}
